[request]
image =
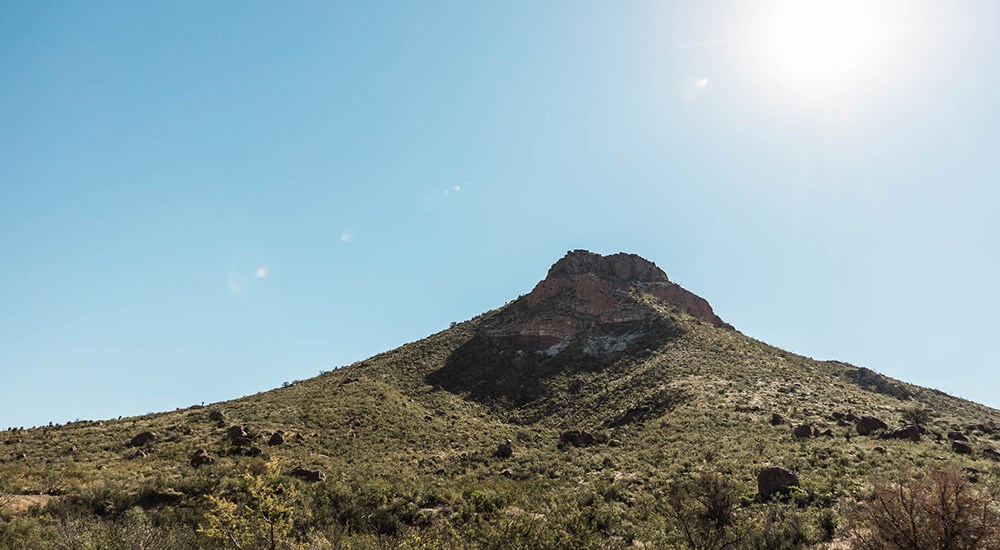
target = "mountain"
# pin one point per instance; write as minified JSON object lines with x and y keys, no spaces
{"x":573,"y":416}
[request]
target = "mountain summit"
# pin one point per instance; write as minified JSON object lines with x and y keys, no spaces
{"x":563,"y":419}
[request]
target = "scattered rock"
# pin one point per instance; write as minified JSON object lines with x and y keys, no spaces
{"x":802,"y":431}
{"x":910,"y":432}
{"x":217,"y":415}
{"x":776,"y":419}
{"x":577,"y":439}
{"x":235,"y":431}
{"x":961,"y":448}
{"x":277,"y":438}
{"x":958,"y":436}
{"x":825,"y":433}
{"x":506,"y":472}
{"x":866,"y":425}
{"x":72,"y":449}
{"x":241,"y":441}
{"x":143,"y":438}
{"x":504,"y":450}
{"x":306,"y":474}
{"x":201,"y":458}
{"x":843,"y":422}
{"x":20,"y":456}
{"x":254,"y":451}
{"x":990,"y":453}
{"x":140,"y":454}
{"x":879,"y":450}
{"x":299,"y":436}
{"x":774,"y":480}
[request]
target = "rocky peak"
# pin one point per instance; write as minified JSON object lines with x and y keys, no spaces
{"x":621,"y":266}
{"x":600,"y":302}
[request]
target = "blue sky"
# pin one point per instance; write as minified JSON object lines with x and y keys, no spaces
{"x":397,"y":166}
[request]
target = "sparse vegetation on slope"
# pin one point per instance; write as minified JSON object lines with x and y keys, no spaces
{"x":656,"y":444}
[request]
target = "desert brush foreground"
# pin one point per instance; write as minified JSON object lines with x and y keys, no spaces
{"x":608,"y":408}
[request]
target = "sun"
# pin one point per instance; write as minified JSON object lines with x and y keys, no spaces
{"x":822,"y":44}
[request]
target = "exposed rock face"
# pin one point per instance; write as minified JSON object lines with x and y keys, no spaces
{"x":868,"y":424}
{"x":774,"y":480}
{"x":910,"y":432}
{"x":595,"y":297}
{"x":142,"y":439}
{"x":589,"y":311}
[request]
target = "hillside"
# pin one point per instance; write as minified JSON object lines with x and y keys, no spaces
{"x":611,"y":383}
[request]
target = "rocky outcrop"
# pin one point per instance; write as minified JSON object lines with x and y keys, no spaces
{"x":774,"y":480}
{"x":590,"y":295}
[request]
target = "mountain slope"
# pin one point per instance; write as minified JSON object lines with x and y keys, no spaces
{"x":611,"y":383}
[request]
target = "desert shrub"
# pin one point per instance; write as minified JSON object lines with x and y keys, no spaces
{"x":703,"y":512}
{"x":780,"y":527}
{"x":917,"y":415}
{"x":257,"y":514}
{"x":940,"y":511}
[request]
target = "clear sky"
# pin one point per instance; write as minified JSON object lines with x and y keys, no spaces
{"x":827,"y":180}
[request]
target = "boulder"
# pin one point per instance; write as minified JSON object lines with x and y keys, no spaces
{"x":910,"y":432}
{"x":306,"y":474}
{"x":958,"y":436}
{"x":774,"y":480}
{"x":802,"y":431}
{"x":776,"y":419}
{"x":217,"y":415}
{"x":277,"y":438}
{"x":241,"y":441}
{"x":504,"y":450}
{"x":142,"y":439}
{"x":961,"y":448}
{"x":236,"y":431}
{"x":991,"y":454}
{"x":576,"y":438}
{"x":868,"y":424}
{"x":825,"y":433}
{"x":201,"y":458}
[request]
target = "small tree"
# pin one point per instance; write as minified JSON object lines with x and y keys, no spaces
{"x":941,"y":511}
{"x":917,"y":415}
{"x":703,"y":512}
{"x":258,"y":513}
